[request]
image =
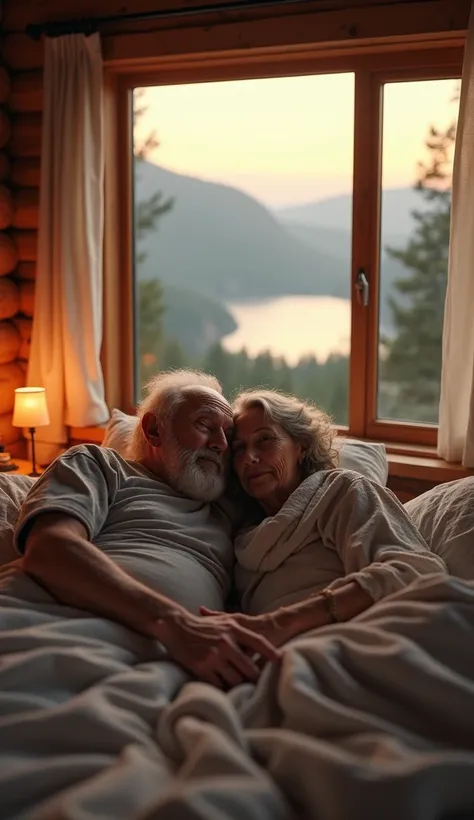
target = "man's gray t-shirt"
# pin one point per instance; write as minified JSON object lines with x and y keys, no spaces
{"x":179,"y":547}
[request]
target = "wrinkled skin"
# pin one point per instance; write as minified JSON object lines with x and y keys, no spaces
{"x":266,"y":459}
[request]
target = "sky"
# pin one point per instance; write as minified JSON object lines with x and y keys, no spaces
{"x":288,"y":141}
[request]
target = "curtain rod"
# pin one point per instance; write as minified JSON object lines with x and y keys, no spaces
{"x":90,"y":25}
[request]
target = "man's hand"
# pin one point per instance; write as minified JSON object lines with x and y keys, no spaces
{"x":217,"y":650}
{"x":272,"y":627}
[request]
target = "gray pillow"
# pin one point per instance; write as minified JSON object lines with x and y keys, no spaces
{"x":445,"y":518}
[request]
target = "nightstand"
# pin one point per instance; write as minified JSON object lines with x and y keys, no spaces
{"x":24,"y":468}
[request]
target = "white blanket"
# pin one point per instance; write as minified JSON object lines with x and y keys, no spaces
{"x":372,"y":719}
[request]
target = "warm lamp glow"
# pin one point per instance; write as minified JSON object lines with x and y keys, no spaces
{"x":31,"y":409}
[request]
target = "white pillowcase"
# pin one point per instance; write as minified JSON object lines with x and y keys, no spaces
{"x":364,"y":457}
{"x":119,"y":431}
{"x":361,"y":456}
{"x":445,"y":518}
{"x":13,"y":489}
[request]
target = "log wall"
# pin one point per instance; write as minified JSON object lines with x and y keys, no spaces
{"x":17,"y":196}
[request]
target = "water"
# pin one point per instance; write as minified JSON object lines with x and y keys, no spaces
{"x":292,"y":326}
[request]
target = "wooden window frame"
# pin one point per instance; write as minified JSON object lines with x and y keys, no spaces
{"x":372,"y":68}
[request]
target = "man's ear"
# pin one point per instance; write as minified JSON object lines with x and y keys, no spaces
{"x":151,"y":429}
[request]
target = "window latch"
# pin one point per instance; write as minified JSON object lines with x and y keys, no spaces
{"x":362,"y":288}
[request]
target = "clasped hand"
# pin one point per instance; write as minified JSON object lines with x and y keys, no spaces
{"x":217,"y":649}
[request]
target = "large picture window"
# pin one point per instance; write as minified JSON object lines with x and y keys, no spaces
{"x":243,"y":218}
{"x":293,"y":232}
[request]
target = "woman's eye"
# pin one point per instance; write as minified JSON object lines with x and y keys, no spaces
{"x":267,"y":437}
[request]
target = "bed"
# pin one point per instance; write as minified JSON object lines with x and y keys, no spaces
{"x":370,"y":719}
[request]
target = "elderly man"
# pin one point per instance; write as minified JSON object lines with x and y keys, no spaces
{"x":140,"y":541}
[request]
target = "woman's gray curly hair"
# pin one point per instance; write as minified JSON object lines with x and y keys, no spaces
{"x":305,"y":423}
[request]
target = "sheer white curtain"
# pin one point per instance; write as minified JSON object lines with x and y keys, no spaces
{"x":456,"y":414}
{"x":67,"y":327}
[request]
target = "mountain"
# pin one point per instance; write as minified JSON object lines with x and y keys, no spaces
{"x":339,"y":243}
{"x":336,"y":212}
{"x":218,"y":245}
{"x":197,"y":320}
{"x":222,"y":243}
{"x":335,"y":241}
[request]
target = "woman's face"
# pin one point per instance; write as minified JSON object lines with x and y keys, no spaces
{"x":266,"y":459}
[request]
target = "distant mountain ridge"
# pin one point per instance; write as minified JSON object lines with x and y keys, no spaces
{"x":223,"y":243}
{"x":335,"y":213}
{"x":219,"y":245}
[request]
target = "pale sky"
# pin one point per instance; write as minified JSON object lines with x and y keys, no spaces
{"x":288,"y":140}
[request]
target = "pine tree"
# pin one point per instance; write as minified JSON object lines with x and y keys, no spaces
{"x":150,"y":307}
{"x":150,"y":310}
{"x":411,"y":368}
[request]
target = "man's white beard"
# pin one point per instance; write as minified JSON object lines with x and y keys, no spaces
{"x":188,"y":476}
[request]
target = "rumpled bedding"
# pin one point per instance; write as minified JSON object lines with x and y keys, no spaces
{"x":336,"y":527}
{"x":370,"y":719}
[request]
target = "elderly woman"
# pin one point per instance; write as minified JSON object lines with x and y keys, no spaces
{"x":330,"y":542}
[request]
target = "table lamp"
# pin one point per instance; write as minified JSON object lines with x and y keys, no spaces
{"x":31,"y":411}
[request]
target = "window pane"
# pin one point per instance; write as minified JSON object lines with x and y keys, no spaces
{"x":419,"y":126}
{"x":243,"y":211}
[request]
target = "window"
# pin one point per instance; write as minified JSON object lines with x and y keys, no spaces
{"x":281,"y":236}
{"x":417,"y":157}
{"x":243,"y":220}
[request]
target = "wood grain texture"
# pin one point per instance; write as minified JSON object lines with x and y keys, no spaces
{"x":21,"y":53}
{"x":5,"y":168}
{"x":5,"y":128}
{"x":26,"y":244}
{"x":26,"y":208}
{"x":7,"y":208}
{"x":407,"y":488}
{"x":18,"y":15}
{"x":10,"y":342}
{"x":5,"y":85}
{"x":8,"y":433}
{"x":8,"y":254}
{"x":26,"y":270}
{"x":26,"y":95}
{"x":9,"y":298}
{"x":12,"y":376}
{"x":24,"y":327}
{"x":25,"y":172}
{"x":27,"y":298}
{"x":25,"y":140}
{"x":318,"y":23}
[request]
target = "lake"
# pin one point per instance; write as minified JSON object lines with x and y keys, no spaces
{"x":291,"y":326}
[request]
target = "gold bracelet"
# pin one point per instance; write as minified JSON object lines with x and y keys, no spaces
{"x":328,"y":596}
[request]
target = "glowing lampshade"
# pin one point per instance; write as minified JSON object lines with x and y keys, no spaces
{"x":30,"y":409}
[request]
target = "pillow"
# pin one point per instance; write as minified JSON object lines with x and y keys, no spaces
{"x":118,"y":432}
{"x":445,"y":518}
{"x":364,"y":457}
{"x":13,"y":489}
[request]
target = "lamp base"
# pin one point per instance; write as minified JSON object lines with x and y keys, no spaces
{"x":34,"y":474}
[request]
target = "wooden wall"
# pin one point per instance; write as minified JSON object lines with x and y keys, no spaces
{"x":19,"y":186}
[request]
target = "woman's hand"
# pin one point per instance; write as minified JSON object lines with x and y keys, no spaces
{"x":217,"y":650}
{"x":271,"y":627}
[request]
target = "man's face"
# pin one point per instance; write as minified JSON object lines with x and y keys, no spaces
{"x":195,"y":444}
